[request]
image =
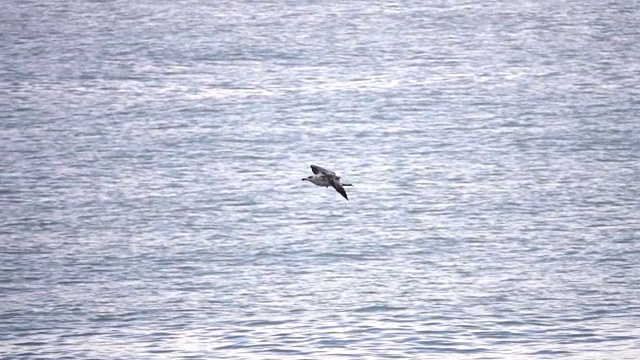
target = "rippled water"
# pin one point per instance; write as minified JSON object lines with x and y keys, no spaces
{"x":152,"y":202}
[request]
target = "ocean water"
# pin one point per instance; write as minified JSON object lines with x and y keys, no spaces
{"x":151,"y":197}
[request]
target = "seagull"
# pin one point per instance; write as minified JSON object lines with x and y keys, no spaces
{"x":326,"y":178}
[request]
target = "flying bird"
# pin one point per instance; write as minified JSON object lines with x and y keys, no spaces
{"x":326,"y":178}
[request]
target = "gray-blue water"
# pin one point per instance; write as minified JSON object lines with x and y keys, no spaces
{"x":151,"y":197}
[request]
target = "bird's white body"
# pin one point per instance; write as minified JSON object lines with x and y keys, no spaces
{"x":321,"y":180}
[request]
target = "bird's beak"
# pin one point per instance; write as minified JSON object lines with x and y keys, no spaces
{"x":304,"y":179}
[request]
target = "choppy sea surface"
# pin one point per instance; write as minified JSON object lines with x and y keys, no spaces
{"x":151,"y":197}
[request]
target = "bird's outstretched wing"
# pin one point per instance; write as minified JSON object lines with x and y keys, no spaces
{"x":318,"y":170}
{"x":335,"y":182}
